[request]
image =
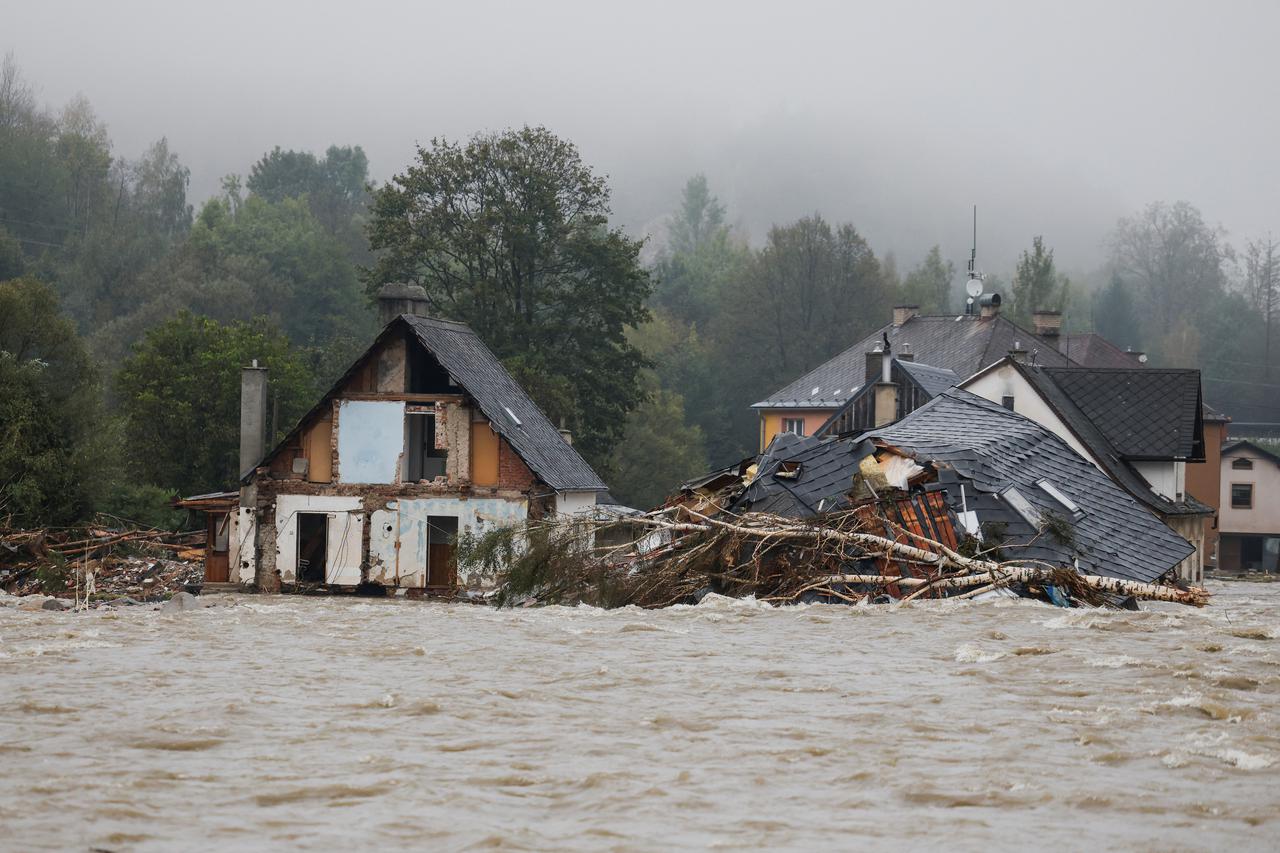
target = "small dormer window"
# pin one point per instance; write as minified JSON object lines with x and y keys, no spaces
{"x":1242,"y":464}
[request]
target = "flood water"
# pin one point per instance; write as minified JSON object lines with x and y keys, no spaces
{"x":332,"y":724}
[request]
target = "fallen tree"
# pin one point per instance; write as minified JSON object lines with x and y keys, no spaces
{"x":674,"y":554}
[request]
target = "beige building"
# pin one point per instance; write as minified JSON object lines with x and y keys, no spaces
{"x":1249,"y":518}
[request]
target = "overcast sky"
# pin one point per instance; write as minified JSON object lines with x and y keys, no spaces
{"x":1054,"y":119}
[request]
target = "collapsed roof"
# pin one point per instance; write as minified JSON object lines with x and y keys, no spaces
{"x":1024,"y":486}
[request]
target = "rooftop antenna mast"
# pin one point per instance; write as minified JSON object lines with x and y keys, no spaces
{"x":973,"y":286}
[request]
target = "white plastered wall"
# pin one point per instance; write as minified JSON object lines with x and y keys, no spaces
{"x":1005,"y":381}
{"x":398,"y":534}
{"x":575,"y":503}
{"x":242,"y":553}
{"x":1167,"y":478}
{"x":345,"y":529}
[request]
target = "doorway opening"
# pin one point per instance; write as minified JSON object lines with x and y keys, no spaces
{"x":313,"y":546}
{"x":442,"y":539}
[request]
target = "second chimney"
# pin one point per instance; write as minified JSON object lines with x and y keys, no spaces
{"x":903,"y":313}
{"x":1048,"y":323}
{"x":397,"y":299}
{"x":989,"y":305}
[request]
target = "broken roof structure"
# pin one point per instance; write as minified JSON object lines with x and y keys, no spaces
{"x":1023,"y":485}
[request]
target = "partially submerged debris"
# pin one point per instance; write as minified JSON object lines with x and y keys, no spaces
{"x":683,"y":554}
{"x":99,"y":562}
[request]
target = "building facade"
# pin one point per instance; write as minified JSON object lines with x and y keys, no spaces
{"x":1249,"y":518}
{"x":426,"y":438}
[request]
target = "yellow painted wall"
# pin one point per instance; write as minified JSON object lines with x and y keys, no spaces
{"x":318,"y":450}
{"x":771,"y":422}
{"x":484,"y":454}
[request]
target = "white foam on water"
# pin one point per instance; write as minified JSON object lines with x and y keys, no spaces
{"x":970,"y":653}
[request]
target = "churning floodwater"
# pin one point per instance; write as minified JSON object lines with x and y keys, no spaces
{"x":331,"y":724}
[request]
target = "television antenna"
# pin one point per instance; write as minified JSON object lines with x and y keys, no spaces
{"x":973,"y":286}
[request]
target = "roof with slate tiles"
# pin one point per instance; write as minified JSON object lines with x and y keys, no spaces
{"x":510,"y":411}
{"x":1145,"y":412}
{"x":993,"y":447}
{"x":1089,"y":349}
{"x":1046,"y":383}
{"x":963,"y":344}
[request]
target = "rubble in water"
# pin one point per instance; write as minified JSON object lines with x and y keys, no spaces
{"x":100,"y":564}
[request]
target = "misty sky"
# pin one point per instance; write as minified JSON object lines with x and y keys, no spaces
{"x":896,"y":116}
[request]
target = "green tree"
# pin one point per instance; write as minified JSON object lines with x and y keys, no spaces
{"x":659,"y":450}
{"x":929,"y":284}
{"x":179,"y":394}
{"x":509,"y":233}
{"x":702,"y":260}
{"x":1036,"y":284}
{"x":1176,"y":265}
{"x":1262,"y":285}
{"x":50,"y":416}
{"x":335,"y":188}
{"x":810,"y":292}
{"x":1115,"y":316}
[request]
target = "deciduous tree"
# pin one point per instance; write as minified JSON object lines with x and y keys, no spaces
{"x":509,"y":233}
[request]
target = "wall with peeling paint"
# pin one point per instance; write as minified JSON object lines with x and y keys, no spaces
{"x":398,"y":534}
{"x":345,"y":531}
{"x":370,"y":441}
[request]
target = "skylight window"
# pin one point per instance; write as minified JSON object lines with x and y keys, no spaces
{"x":814,"y":392}
{"x":513,"y":417}
{"x":1022,"y":506}
{"x":1054,"y":492}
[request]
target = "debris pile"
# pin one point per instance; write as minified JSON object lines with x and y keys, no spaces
{"x":95,"y":561}
{"x":842,"y":556}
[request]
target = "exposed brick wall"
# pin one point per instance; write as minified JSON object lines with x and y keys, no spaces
{"x":512,"y":472}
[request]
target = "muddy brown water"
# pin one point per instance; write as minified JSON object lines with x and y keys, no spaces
{"x":330,"y":724}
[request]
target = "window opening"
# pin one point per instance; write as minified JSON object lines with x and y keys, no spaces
{"x":1054,"y":492}
{"x":793,"y":425}
{"x":1022,"y":506}
{"x":1007,"y":401}
{"x":423,"y":460}
{"x":1242,"y":495}
{"x":1242,"y":464}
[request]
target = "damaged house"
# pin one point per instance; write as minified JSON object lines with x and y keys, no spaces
{"x":1141,"y":426}
{"x":425,"y":438}
{"x":1001,"y":478}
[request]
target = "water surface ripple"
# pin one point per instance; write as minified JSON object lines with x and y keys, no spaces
{"x":337,"y":723}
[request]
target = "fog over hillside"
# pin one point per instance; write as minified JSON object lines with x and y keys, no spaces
{"x":1053,"y":120}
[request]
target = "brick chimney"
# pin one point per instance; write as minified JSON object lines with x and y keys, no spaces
{"x":397,"y":299}
{"x":1048,"y":323}
{"x":989,"y":305}
{"x":875,"y":364}
{"x":253,"y":416}
{"x":903,"y":313}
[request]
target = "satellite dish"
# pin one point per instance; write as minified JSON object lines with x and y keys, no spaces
{"x":974,"y":287}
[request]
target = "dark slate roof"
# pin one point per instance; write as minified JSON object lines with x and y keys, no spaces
{"x":963,"y":344}
{"x":824,"y":476}
{"x":1230,"y":447}
{"x":932,"y":380}
{"x":1145,"y":412}
{"x":1092,"y":437}
{"x":474,"y":366}
{"x":1089,"y":349}
{"x":993,"y":447}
